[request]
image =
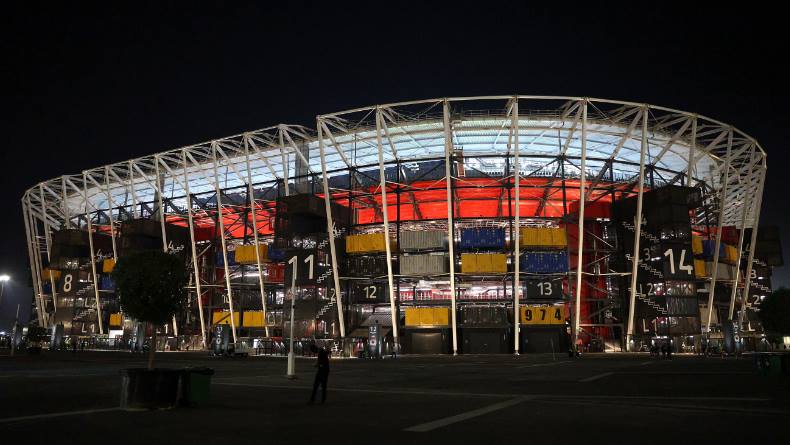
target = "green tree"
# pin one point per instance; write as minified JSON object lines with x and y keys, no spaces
{"x":150,"y":288}
{"x":775,"y":312}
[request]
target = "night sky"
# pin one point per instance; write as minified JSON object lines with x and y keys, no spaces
{"x":85,"y":86}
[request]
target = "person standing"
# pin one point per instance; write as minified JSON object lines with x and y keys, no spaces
{"x":322,"y":375}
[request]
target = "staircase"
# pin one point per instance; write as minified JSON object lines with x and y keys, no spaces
{"x":644,"y":234}
{"x":328,"y":307}
{"x":646,"y":267}
{"x":650,"y":302}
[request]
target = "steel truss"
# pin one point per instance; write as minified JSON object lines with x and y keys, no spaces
{"x":603,"y":146}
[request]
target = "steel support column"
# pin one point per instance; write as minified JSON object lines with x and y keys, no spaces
{"x":196,"y":269}
{"x":637,"y":233}
{"x":752,"y":243}
{"x":745,"y":204}
{"x":580,"y":248}
{"x":722,"y":205}
{"x":160,"y":203}
{"x":93,"y":258}
{"x":517,"y":237}
{"x":30,"y":248}
{"x":385,"y":218}
{"x":221,"y":224}
{"x":254,"y":210}
{"x":330,"y":230}
{"x":448,"y":171}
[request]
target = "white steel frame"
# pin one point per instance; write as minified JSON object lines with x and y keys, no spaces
{"x":697,"y":148}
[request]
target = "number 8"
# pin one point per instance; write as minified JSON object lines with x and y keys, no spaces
{"x":67,"y":283}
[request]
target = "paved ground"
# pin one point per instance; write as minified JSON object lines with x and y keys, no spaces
{"x":436,"y":399}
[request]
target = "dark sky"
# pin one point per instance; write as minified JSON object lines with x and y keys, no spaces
{"x":84,"y":86}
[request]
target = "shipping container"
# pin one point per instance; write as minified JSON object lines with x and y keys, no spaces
{"x":221,"y":258}
{"x":423,"y":240}
{"x":372,"y":242}
{"x":482,"y":238}
{"x":367,"y":266}
{"x":709,"y":249}
{"x":427,"y":316}
{"x":275,"y":273}
{"x":700,"y":270}
{"x":543,"y":237}
{"x":108,"y":265}
{"x":725,"y":271}
{"x":424,"y":264}
{"x":484,"y":263}
{"x":246,"y":254}
{"x":696,"y":245}
{"x":544,"y":262}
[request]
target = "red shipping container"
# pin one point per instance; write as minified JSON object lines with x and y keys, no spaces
{"x":276,"y":272}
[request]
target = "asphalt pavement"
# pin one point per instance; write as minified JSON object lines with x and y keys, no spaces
{"x":598,"y":398}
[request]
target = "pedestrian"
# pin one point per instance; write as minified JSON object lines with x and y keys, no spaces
{"x":664,"y":350}
{"x":321,"y":375}
{"x":669,"y":349}
{"x":73,"y":345}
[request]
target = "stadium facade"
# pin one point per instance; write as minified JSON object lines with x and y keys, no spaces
{"x":539,"y":248}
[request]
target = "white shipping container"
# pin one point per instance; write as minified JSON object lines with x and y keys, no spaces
{"x":423,"y":240}
{"x":427,"y":264}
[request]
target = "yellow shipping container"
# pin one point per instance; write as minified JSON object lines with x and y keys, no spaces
{"x":116,"y":319}
{"x":469,"y":262}
{"x":427,"y":316}
{"x":372,"y":242}
{"x":413,"y":316}
{"x":441,"y":316}
{"x":224,"y":318}
{"x":483,"y":263}
{"x":543,"y":237}
{"x":699,"y":269}
{"x":246,"y":254}
{"x":107,"y":265}
{"x":46,"y":272}
{"x":254,"y":319}
{"x":498,"y":263}
{"x":696,"y":245}
{"x":731,"y":254}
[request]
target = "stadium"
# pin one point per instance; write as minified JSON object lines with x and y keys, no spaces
{"x":469,"y":225}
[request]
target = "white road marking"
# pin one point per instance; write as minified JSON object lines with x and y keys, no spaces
{"x":365,"y":390}
{"x":60,"y":414}
{"x":500,"y":395}
{"x":430,"y":426}
{"x":535,"y":365}
{"x":596,"y":377}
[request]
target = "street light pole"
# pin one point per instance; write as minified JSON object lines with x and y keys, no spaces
{"x":291,"y":373}
{"x":3,"y":279}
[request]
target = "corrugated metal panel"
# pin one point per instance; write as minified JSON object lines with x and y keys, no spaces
{"x":372,"y":242}
{"x":543,"y":237}
{"x":423,"y":240}
{"x":246,"y":254}
{"x":484,"y":263}
{"x":482,"y":238}
{"x":545,"y":262}
{"x":427,"y":264}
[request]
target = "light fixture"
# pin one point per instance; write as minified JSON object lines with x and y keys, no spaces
{"x":4,"y":278}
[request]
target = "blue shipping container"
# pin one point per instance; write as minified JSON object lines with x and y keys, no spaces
{"x":106,"y":283}
{"x":231,"y":259}
{"x":545,"y":262}
{"x":482,"y":238}
{"x":276,"y":255}
{"x":709,"y":248}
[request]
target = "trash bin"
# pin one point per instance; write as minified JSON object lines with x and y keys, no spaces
{"x":149,"y":388}
{"x":195,"y":384}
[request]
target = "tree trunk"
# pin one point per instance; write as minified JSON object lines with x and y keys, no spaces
{"x":152,"y":349}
